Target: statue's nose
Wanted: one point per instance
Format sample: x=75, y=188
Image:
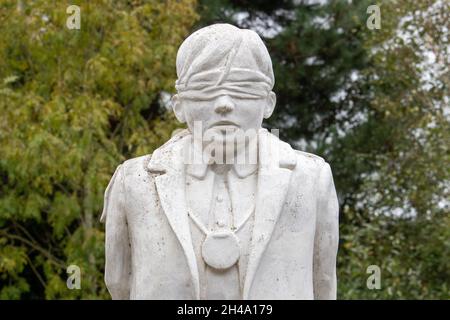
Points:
x=224, y=105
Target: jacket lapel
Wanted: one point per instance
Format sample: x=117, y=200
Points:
x=167, y=161
x=273, y=182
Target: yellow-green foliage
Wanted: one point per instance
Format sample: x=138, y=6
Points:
x=73, y=105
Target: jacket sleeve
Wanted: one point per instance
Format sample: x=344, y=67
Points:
x=326, y=236
x=117, y=243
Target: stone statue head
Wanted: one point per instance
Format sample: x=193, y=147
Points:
x=225, y=79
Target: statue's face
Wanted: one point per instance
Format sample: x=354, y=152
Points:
x=225, y=114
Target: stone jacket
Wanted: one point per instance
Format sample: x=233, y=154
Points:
x=149, y=250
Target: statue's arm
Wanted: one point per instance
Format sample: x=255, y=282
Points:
x=117, y=244
x=326, y=236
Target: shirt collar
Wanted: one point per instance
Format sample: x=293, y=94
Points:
x=199, y=170
x=241, y=170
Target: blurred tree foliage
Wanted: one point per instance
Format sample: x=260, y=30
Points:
x=394, y=165
x=375, y=104
x=74, y=104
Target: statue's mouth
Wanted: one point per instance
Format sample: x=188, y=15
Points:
x=225, y=124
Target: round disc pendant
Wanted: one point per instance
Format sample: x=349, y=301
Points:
x=221, y=249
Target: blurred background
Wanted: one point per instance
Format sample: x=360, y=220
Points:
x=374, y=102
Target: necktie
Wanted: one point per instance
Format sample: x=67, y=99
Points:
x=221, y=284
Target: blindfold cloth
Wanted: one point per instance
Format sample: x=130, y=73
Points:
x=222, y=59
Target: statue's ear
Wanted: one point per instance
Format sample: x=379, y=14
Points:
x=270, y=104
x=178, y=109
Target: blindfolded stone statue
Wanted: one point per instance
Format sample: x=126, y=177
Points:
x=224, y=209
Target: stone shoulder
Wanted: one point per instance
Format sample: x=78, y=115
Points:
x=309, y=157
x=136, y=166
x=311, y=161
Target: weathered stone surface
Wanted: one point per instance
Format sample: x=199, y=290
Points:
x=224, y=210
